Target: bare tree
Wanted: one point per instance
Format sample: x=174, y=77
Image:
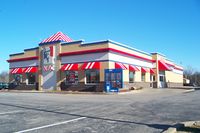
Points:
x=193, y=75
x=4, y=76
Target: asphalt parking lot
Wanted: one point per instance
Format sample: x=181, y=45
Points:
x=148, y=110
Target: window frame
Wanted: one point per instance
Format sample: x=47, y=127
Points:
x=98, y=75
x=27, y=82
x=133, y=76
x=143, y=75
x=21, y=78
x=76, y=76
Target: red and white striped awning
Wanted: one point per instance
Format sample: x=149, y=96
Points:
x=91, y=65
x=16, y=71
x=163, y=66
x=67, y=67
x=30, y=70
x=133, y=68
x=120, y=66
x=59, y=36
x=152, y=71
x=144, y=70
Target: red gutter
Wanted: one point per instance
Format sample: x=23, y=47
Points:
x=104, y=50
x=23, y=59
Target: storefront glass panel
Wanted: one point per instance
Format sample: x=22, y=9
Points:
x=71, y=77
x=113, y=78
x=92, y=76
x=31, y=78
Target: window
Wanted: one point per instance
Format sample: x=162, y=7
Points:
x=92, y=76
x=131, y=76
x=18, y=78
x=30, y=78
x=154, y=78
x=143, y=77
x=71, y=77
x=162, y=78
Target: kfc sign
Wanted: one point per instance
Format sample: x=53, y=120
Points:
x=48, y=55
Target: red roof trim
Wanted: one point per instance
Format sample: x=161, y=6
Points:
x=181, y=69
x=104, y=50
x=23, y=59
x=177, y=68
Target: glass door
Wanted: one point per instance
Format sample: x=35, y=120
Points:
x=113, y=79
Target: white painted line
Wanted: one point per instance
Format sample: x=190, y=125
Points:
x=51, y=125
x=11, y=112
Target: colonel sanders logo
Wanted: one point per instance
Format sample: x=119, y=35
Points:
x=48, y=55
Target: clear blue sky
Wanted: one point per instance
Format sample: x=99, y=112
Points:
x=171, y=27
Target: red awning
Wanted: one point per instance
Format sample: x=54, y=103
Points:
x=120, y=66
x=144, y=70
x=30, y=70
x=163, y=66
x=16, y=71
x=67, y=67
x=152, y=71
x=91, y=65
x=133, y=68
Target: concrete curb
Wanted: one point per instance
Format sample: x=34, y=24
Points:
x=52, y=92
x=170, y=130
x=190, y=90
x=71, y=92
x=173, y=129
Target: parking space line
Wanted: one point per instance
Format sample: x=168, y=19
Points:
x=51, y=125
x=11, y=112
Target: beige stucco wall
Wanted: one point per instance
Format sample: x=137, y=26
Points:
x=138, y=76
x=147, y=77
x=79, y=47
x=173, y=77
x=26, y=54
x=125, y=75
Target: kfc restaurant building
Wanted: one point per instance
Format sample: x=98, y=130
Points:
x=59, y=63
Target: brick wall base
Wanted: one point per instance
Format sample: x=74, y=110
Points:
x=23, y=86
x=174, y=85
x=81, y=86
x=137, y=85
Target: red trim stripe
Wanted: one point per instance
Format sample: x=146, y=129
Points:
x=51, y=51
x=23, y=59
x=104, y=50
